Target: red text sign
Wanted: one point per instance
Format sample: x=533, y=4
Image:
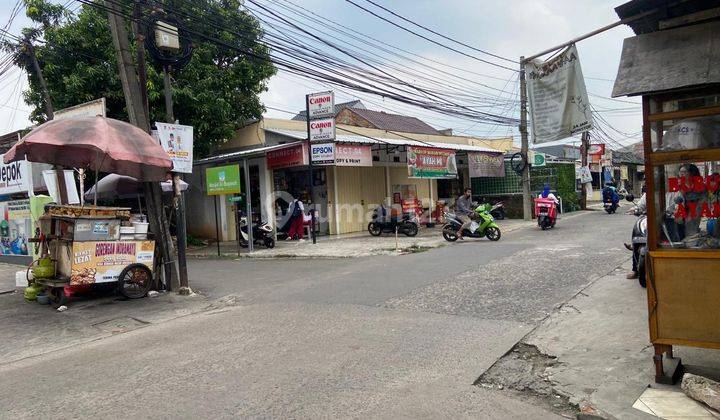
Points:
x=287, y=157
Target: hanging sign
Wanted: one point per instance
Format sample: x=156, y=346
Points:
x=584, y=175
x=222, y=180
x=177, y=140
x=484, y=164
x=596, y=149
x=323, y=153
x=287, y=157
x=350, y=155
x=538, y=159
x=321, y=104
x=427, y=162
x=559, y=105
x=322, y=130
x=13, y=177
x=624, y=175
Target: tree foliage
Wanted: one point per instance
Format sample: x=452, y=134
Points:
x=216, y=92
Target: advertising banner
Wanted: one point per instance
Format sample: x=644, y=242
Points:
x=102, y=262
x=177, y=140
x=321, y=104
x=596, y=149
x=431, y=163
x=559, y=105
x=15, y=227
x=583, y=174
x=486, y=164
x=287, y=157
x=323, y=153
x=13, y=177
x=348, y=155
x=322, y=130
x=222, y=180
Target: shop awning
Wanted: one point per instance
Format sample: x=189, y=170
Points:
x=248, y=153
x=361, y=139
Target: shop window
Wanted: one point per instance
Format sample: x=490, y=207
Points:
x=686, y=134
x=687, y=200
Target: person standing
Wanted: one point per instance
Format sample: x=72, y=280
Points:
x=297, y=220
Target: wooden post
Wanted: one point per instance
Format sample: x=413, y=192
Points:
x=527, y=212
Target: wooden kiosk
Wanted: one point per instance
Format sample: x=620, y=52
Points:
x=674, y=63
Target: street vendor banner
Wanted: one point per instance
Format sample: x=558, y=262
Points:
x=177, y=140
x=431, y=163
x=484, y=164
x=287, y=157
x=102, y=262
x=559, y=105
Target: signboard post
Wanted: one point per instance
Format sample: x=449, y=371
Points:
x=320, y=112
x=218, y=181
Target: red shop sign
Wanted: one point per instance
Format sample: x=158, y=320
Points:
x=287, y=157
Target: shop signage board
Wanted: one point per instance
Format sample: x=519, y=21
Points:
x=323, y=153
x=431, y=163
x=596, y=149
x=102, y=262
x=222, y=180
x=484, y=164
x=352, y=155
x=287, y=157
x=15, y=227
x=559, y=105
x=177, y=140
x=321, y=104
x=14, y=177
x=624, y=175
x=583, y=174
x=538, y=159
x=322, y=130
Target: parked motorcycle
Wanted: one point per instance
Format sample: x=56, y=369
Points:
x=483, y=226
x=262, y=234
x=384, y=223
x=546, y=213
x=639, y=243
x=498, y=211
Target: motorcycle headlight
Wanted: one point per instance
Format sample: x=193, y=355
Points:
x=643, y=226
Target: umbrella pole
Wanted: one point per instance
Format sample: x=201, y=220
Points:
x=96, y=189
x=81, y=175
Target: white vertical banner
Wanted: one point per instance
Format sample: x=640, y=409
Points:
x=177, y=140
x=559, y=105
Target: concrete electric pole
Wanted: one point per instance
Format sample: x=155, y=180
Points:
x=527, y=211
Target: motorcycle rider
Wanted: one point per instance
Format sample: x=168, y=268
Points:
x=464, y=210
x=547, y=194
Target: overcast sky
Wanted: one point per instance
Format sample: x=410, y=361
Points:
x=509, y=28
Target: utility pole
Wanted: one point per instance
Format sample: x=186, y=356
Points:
x=527, y=212
x=179, y=199
x=139, y=118
x=583, y=163
x=43, y=86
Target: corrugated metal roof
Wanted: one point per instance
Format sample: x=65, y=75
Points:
x=258, y=151
x=671, y=59
x=357, y=138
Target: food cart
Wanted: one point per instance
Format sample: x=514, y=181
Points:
x=84, y=247
x=673, y=64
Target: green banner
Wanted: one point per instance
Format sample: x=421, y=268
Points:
x=222, y=180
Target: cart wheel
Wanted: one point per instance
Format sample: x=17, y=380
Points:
x=135, y=281
x=58, y=296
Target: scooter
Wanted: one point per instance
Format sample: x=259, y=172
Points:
x=383, y=223
x=546, y=212
x=610, y=200
x=262, y=234
x=483, y=226
x=639, y=243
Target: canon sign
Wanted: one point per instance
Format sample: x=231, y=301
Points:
x=320, y=105
x=322, y=130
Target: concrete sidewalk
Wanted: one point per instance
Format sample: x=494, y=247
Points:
x=7, y=277
x=352, y=245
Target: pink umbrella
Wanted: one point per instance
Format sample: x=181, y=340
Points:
x=96, y=143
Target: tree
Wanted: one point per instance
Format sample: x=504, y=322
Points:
x=216, y=92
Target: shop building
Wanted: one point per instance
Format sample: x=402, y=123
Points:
x=370, y=168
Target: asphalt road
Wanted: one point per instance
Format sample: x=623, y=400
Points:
x=379, y=337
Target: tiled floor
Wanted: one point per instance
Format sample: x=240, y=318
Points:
x=672, y=404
